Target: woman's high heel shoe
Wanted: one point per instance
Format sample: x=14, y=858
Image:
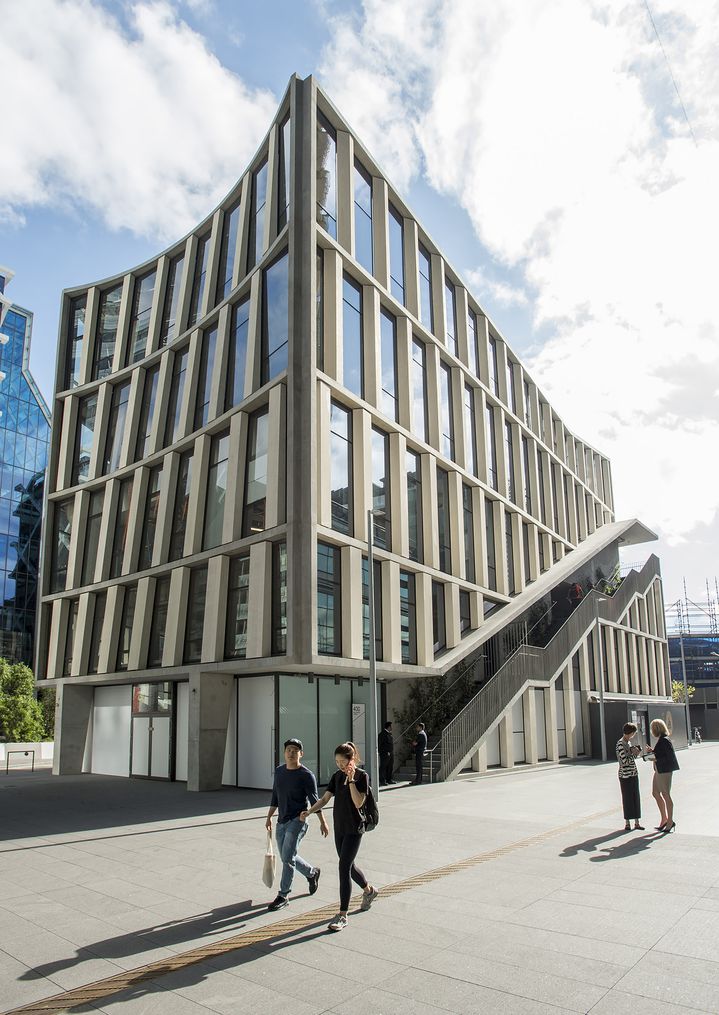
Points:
x=669, y=828
x=659, y=828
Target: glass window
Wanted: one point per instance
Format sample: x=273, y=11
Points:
x=493, y=370
x=439, y=628
x=526, y=477
x=172, y=298
x=542, y=562
x=92, y=536
x=445, y=410
x=238, y=594
x=326, y=176
x=284, y=176
x=128, y=616
x=98, y=619
x=408, y=617
x=511, y=392
x=149, y=525
x=195, y=615
x=509, y=540
x=419, y=390
x=253, y=515
x=107, y=319
x=177, y=389
x=147, y=414
x=319, y=308
x=122, y=519
x=491, y=549
x=352, y=338
x=414, y=505
x=216, y=490
x=70, y=637
x=329, y=600
x=527, y=554
x=182, y=503
x=527, y=405
x=228, y=246
x=396, y=254
x=275, y=319
x=204, y=381
x=465, y=612
x=257, y=216
x=341, y=468
x=443, y=531
x=116, y=427
x=363, y=216
x=61, y=544
x=509, y=461
x=85, y=434
x=377, y=583
x=470, y=432
x=238, y=354
x=140, y=320
x=472, y=346
x=468, y=514
x=450, y=317
x=388, y=345
x=158, y=626
x=426, y=315
x=76, y=332
x=198, y=278
x=380, y=488
x=279, y=599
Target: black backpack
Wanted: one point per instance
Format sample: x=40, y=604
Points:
x=370, y=811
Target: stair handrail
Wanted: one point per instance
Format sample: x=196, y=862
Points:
x=628, y=588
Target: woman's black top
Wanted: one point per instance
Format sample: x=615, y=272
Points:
x=346, y=818
x=664, y=756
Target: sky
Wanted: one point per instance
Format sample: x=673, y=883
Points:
x=563, y=154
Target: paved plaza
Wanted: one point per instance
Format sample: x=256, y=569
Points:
x=558, y=911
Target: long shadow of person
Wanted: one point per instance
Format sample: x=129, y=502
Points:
x=590, y=845
x=626, y=849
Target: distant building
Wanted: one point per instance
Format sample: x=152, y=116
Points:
x=698, y=644
x=226, y=415
x=24, y=441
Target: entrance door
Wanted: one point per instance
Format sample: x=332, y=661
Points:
x=151, y=733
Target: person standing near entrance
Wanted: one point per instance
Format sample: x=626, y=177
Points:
x=665, y=764
x=629, y=777
x=420, y=746
x=385, y=746
x=294, y=790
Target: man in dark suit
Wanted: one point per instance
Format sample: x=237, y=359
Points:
x=385, y=746
x=420, y=746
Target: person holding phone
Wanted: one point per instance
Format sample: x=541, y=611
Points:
x=629, y=777
x=665, y=764
x=348, y=786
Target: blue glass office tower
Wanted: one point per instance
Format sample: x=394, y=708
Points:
x=24, y=439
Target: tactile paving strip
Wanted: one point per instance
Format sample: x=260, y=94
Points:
x=91, y=993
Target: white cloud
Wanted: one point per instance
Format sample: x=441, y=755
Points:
x=493, y=290
x=144, y=127
x=556, y=125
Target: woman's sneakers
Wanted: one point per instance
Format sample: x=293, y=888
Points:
x=367, y=899
x=339, y=923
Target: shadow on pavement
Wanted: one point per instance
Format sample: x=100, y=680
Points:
x=631, y=848
x=590, y=845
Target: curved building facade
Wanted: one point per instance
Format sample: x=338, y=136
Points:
x=227, y=414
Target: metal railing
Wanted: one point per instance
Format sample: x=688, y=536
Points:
x=532, y=663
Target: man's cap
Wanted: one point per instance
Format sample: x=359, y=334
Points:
x=294, y=742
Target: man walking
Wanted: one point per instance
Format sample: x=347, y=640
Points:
x=420, y=746
x=294, y=790
x=385, y=746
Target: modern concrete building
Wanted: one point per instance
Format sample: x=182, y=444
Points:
x=225, y=416
x=24, y=440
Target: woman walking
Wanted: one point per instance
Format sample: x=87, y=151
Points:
x=629, y=777
x=665, y=763
x=348, y=786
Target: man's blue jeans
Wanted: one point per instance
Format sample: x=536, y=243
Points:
x=289, y=835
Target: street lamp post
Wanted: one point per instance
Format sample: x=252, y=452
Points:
x=686, y=692
x=602, y=727
x=372, y=751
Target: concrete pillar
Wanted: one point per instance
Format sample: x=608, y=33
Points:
x=352, y=628
x=73, y=707
x=259, y=602
x=423, y=595
x=391, y=627
x=531, y=747
x=550, y=722
x=478, y=760
x=570, y=713
x=213, y=633
x=506, y=741
x=209, y=711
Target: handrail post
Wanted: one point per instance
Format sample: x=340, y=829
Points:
x=602, y=727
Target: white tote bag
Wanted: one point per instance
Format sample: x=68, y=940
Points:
x=270, y=863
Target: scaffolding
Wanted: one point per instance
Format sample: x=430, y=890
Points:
x=685, y=616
